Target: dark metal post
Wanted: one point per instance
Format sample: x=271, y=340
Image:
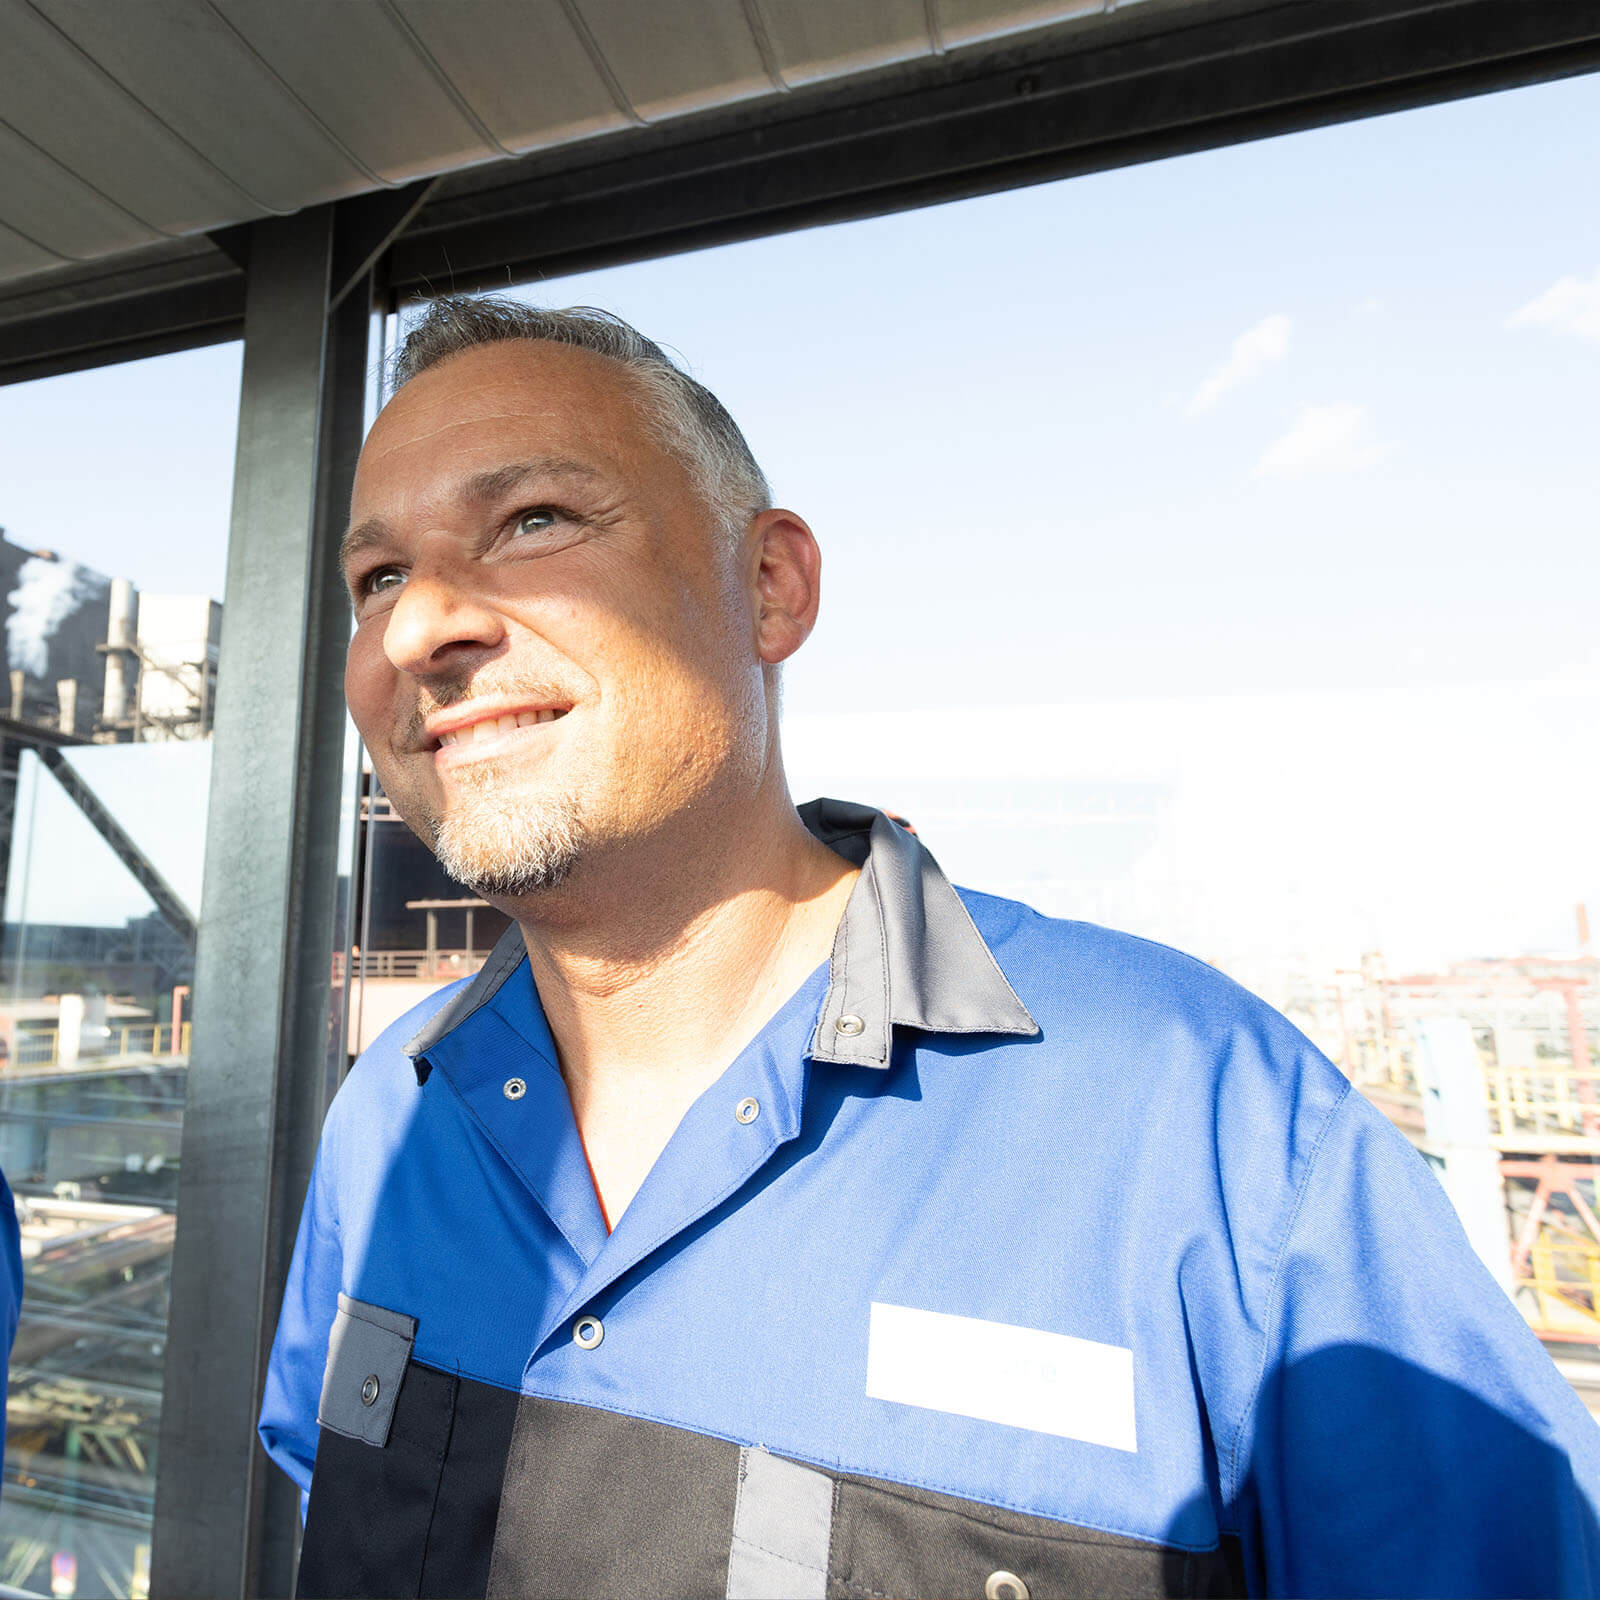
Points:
x=226, y=1521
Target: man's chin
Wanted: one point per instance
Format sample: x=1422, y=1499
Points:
x=509, y=880
x=502, y=848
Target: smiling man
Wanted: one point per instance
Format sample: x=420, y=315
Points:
x=769, y=1218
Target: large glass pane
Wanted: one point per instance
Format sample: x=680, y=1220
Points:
x=111, y=567
x=1208, y=552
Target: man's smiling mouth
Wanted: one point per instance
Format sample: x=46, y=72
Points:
x=496, y=727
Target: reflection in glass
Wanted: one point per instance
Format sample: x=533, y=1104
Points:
x=106, y=760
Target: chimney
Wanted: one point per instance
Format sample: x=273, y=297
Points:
x=119, y=646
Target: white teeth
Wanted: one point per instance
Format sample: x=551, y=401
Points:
x=494, y=727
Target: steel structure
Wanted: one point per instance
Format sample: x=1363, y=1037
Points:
x=1146, y=81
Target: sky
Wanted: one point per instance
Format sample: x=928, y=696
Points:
x=1262, y=481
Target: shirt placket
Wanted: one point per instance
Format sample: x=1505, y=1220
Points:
x=727, y=1137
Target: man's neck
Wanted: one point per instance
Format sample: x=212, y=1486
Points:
x=653, y=988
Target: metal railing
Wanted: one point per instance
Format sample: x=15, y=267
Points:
x=41, y=1047
x=1546, y=1098
x=414, y=965
x=1564, y=1275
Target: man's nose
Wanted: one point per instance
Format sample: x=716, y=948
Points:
x=439, y=621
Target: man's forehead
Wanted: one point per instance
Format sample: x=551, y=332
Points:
x=496, y=405
x=502, y=388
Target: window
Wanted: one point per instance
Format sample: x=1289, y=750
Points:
x=112, y=564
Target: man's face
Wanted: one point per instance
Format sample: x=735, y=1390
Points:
x=555, y=640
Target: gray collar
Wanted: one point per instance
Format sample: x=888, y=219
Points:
x=907, y=954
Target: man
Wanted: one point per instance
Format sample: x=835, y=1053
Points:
x=769, y=1218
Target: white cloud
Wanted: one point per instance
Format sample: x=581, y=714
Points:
x=1335, y=438
x=1570, y=305
x=1253, y=352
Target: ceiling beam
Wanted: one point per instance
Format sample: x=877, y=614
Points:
x=1118, y=96
x=1140, y=84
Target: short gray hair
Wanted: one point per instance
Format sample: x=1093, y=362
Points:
x=688, y=420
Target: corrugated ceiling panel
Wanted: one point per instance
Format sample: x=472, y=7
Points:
x=183, y=62
x=356, y=67
x=41, y=199
x=137, y=118
x=19, y=256
x=670, y=59
x=520, y=65
x=971, y=21
x=814, y=39
x=121, y=149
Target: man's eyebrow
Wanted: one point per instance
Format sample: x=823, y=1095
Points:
x=486, y=486
x=362, y=536
x=481, y=489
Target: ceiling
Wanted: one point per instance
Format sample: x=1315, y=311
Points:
x=469, y=143
x=135, y=123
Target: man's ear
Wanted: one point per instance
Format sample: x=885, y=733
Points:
x=786, y=578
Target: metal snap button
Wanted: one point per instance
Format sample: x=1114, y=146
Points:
x=1005, y=1585
x=747, y=1109
x=515, y=1089
x=369, y=1390
x=851, y=1025
x=587, y=1332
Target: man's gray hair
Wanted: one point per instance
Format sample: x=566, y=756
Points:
x=688, y=420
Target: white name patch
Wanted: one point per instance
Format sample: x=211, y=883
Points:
x=1024, y=1377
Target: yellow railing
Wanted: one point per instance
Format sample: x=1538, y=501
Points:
x=1565, y=1278
x=41, y=1047
x=1546, y=1098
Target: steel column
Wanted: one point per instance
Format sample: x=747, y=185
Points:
x=226, y=1521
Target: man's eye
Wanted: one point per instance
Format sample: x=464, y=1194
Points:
x=540, y=520
x=382, y=578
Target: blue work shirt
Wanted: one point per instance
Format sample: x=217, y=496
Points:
x=10, y=1288
x=1013, y=1257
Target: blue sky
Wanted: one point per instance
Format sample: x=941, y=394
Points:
x=1258, y=433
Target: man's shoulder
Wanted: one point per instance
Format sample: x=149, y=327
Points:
x=1122, y=1003
x=1086, y=963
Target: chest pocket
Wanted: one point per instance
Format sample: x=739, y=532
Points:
x=802, y=1535
x=409, y=1466
x=367, y=1354
x=889, y=1539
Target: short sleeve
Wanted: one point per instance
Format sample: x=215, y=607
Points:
x=1409, y=1435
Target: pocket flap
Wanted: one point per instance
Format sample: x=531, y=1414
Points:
x=368, y=1349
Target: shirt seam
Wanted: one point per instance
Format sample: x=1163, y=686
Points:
x=838, y=1465
x=355, y=1316
x=777, y=1555
x=1274, y=1294
x=883, y=972
x=733, y=1187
